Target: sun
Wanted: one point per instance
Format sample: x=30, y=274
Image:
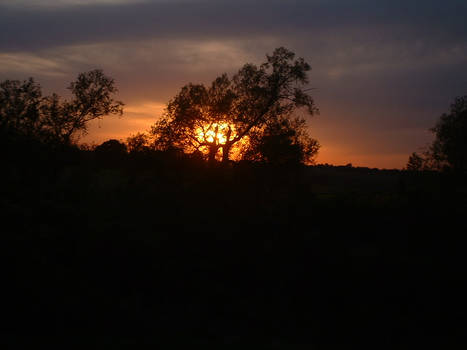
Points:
x=216, y=133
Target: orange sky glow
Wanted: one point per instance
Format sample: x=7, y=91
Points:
x=139, y=118
x=382, y=72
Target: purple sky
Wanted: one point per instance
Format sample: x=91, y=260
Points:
x=383, y=71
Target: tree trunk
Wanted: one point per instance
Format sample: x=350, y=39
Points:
x=226, y=147
x=212, y=153
x=225, y=152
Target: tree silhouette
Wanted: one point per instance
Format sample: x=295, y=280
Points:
x=230, y=111
x=20, y=107
x=111, y=151
x=450, y=145
x=111, y=146
x=196, y=117
x=449, y=149
x=24, y=111
x=416, y=162
x=138, y=143
x=284, y=141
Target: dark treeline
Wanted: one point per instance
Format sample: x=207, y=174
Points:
x=155, y=242
x=109, y=247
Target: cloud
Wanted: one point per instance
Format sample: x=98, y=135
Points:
x=143, y=68
x=29, y=64
x=198, y=19
x=44, y=4
x=383, y=70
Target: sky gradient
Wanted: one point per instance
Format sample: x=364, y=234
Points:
x=382, y=71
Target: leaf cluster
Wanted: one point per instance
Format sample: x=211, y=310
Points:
x=257, y=100
x=25, y=111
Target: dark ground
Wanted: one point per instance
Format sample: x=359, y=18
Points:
x=148, y=249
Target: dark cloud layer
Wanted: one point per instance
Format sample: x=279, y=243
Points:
x=33, y=28
x=383, y=70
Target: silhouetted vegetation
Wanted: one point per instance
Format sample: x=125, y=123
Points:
x=282, y=142
x=449, y=149
x=128, y=244
x=24, y=112
x=255, y=105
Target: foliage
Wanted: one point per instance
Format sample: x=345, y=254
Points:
x=224, y=116
x=415, y=162
x=193, y=119
x=138, y=143
x=20, y=107
x=449, y=149
x=450, y=145
x=24, y=111
x=284, y=141
x=111, y=146
x=111, y=152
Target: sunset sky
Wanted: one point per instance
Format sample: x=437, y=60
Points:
x=382, y=71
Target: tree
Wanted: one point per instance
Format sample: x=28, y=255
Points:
x=225, y=115
x=20, y=106
x=24, y=111
x=415, y=163
x=138, y=143
x=282, y=142
x=450, y=145
x=111, y=150
x=449, y=149
x=197, y=118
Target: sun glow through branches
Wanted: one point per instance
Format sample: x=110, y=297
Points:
x=219, y=135
x=216, y=133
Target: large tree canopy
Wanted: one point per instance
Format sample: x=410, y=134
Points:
x=255, y=102
x=281, y=142
x=198, y=118
x=24, y=111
